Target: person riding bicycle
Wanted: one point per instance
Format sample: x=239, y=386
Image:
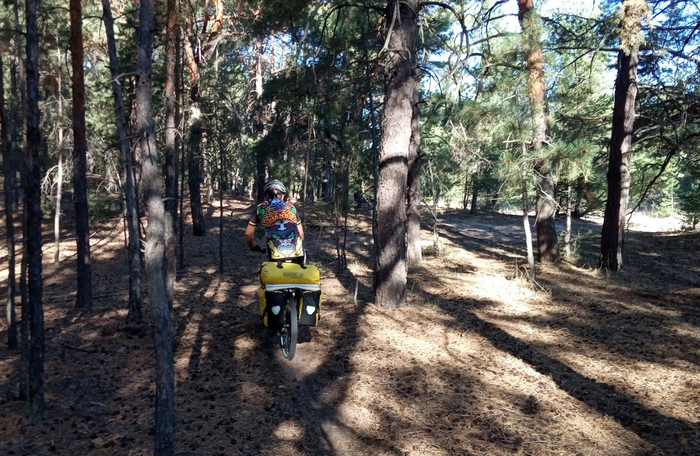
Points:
x=283, y=229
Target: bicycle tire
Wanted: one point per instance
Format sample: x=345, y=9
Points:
x=288, y=339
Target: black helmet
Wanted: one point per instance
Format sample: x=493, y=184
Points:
x=274, y=187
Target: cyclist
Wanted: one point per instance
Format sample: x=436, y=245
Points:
x=283, y=229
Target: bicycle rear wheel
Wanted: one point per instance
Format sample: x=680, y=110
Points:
x=288, y=335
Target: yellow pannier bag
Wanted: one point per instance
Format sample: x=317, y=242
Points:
x=291, y=273
x=271, y=305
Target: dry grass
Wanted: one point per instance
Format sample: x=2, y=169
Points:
x=478, y=363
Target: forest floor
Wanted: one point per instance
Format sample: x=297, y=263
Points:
x=477, y=363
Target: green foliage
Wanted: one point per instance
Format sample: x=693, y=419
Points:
x=102, y=206
x=582, y=246
x=689, y=195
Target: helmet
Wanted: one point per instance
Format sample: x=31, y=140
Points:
x=274, y=187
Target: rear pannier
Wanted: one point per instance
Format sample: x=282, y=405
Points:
x=309, y=308
x=271, y=305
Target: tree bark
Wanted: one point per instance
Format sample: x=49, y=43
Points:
x=619, y=176
x=132, y=217
x=195, y=59
x=155, y=238
x=567, y=238
x=259, y=128
x=33, y=208
x=526, y=224
x=390, y=270
x=59, y=172
x=414, y=255
x=547, y=242
x=475, y=189
x=82, y=229
x=8, y=171
x=19, y=83
x=171, y=148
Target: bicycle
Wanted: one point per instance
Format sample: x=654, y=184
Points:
x=289, y=296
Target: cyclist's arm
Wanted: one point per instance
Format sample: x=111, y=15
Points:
x=250, y=229
x=300, y=227
x=250, y=235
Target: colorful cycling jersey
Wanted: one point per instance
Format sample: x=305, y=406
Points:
x=281, y=222
x=269, y=212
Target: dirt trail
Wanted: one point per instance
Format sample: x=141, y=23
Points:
x=478, y=363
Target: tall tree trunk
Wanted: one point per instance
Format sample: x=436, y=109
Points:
x=373, y=131
x=196, y=56
x=82, y=229
x=547, y=242
x=33, y=208
x=260, y=127
x=181, y=147
x=132, y=217
x=567, y=237
x=155, y=238
x=221, y=207
x=619, y=176
x=19, y=83
x=59, y=173
x=414, y=255
x=171, y=148
x=8, y=170
x=390, y=270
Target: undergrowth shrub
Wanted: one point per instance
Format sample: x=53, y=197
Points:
x=102, y=206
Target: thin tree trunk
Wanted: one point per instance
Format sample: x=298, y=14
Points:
x=526, y=221
x=414, y=255
x=181, y=231
x=436, y=201
x=466, y=190
x=260, y=129
x=22, y=76
x=155, y=238
x=59, y=173
x=33, y=208
x=82, y=229
x=171, y=148
x=221, y=209
x=567, y=238
x=181, y=148
x=390, y=272
x=21, y=80
x=342, y=207
x=475, y=189
x=373, y=135
x=25, y=361
x=9, y=218
x=132, y=217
